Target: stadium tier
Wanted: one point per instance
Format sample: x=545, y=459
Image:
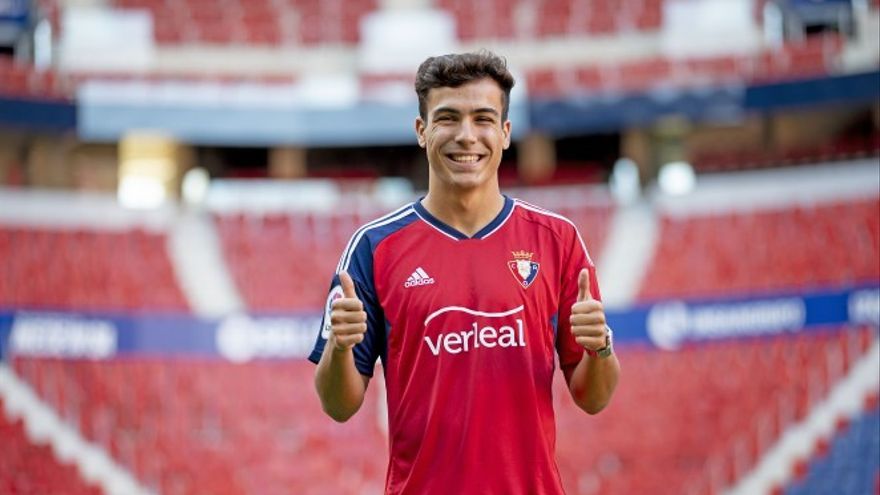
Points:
x=29, y=469
x=742, y=253
x=845, y=148
x=23, y=80
x=87, y=270
x=283, y=262
x=251, y=22
x=815, y=57
x=682, y=423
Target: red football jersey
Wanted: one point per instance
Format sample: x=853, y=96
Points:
x=468, y=331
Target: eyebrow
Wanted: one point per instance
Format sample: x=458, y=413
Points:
x=451, y=110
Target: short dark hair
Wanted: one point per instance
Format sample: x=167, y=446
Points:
x=456, y=69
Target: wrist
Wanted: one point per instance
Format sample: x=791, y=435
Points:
x=608, y=349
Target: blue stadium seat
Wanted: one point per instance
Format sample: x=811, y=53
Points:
x=852, y=464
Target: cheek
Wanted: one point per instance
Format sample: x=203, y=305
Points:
x=435, y=138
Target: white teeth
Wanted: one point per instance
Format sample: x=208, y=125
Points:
x=466, y=158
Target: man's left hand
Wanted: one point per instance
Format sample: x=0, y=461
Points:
x=588, y=317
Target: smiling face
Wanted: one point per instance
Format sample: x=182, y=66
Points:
x=464, y=136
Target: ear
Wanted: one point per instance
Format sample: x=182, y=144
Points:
x=420, y=131
x=505, y=130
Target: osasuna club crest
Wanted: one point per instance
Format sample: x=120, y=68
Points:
x=524, y=270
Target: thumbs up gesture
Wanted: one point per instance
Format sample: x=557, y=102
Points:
x=587, y=317
x=348, y=319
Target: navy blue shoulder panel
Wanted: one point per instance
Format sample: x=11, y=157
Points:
x=357, y=260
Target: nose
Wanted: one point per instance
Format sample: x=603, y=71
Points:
x=466, y=132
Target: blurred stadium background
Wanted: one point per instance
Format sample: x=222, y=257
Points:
x=179, y=178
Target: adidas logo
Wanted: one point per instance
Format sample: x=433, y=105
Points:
x=418, y=277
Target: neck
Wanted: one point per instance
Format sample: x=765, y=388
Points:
x=465, y=212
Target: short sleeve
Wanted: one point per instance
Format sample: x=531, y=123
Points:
x=575, y=259
x=360, y=268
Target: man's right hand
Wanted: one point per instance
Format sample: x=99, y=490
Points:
x=348, y=319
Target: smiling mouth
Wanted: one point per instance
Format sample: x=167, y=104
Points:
x=464, y=158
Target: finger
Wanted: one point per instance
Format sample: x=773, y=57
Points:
x=588, y=319
x=590, y=342
x=584, y=286
x=344, y=316
x=347, y=284
x=595, y=330
x=588, y=306
x=344, y=329
x=346, y=305
x=348, y=341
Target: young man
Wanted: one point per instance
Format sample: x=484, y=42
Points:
x=468, y=297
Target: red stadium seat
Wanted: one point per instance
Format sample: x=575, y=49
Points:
x=30, y=469
x=786, y=249
x=101, y=270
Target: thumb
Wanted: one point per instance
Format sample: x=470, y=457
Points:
x=347, y=285
x=584, y=293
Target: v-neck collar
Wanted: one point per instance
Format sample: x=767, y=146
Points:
x=486, y=231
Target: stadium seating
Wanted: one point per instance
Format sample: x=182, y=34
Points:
x=258, y=428
x=690, y=422
x=230, y=429
x=283, y=262
x=848, y=147
x=499, y=20
x=254, y=22
x=814, y=57
x=22, y=80
x=29, y=469
x=850, y=463
x=99, y=270
x=481, y=19
x=751, y=252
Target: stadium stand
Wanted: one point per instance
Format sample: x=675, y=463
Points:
x=100, y=270
x=813, y=57
x=750, y=252
x=840, y=466
x=482, y=19
x=692, y=421
x=841, y=149
x=703, y=414
x=230, y=429
x=264, y=22
x=498, y=20
x=265, y=256
x=22, y=80
x=258, y=428
x=29, y=469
